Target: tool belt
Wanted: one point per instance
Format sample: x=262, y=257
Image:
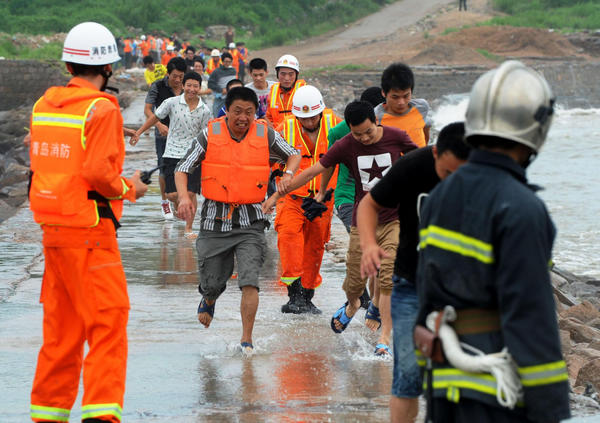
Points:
x=469, y=321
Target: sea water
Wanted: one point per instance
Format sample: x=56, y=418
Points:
x=565, y=169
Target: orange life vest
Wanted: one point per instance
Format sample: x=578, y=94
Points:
x=236, y=172
x=278, y=110
x=59, y=194
x=152, y=42
x=235, y=55
x=128, y=47
x=412, y=123
x=211, y=66
x=292, y=132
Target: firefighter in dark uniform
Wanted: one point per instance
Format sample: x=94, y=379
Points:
x=485, y=247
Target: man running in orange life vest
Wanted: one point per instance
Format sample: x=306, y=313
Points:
x=400, y=109
x=279, y=102
x=301, y=242
x=235, y=152
x=76, y=195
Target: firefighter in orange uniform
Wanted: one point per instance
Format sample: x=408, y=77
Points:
x=306, y=130
x=76, y=195
x=279, y=102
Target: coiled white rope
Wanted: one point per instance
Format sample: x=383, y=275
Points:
x=501, y=364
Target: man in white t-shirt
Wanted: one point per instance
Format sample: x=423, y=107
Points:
x=188, y=116
x=260, y=84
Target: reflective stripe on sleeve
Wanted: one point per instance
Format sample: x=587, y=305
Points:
x=456, y=242
x=125, y=190
x=544, y=374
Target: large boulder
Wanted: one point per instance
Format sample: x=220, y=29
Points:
x=585, y=312
x=589, y=373
x=578, y=330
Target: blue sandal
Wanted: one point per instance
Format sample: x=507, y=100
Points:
x=341, y=316
x=373, y=314
x=247, y=348
x=203, y=307
x=385, y=350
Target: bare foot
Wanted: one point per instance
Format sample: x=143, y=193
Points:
x=374, y=325
x=205, y=310
x=205, y=319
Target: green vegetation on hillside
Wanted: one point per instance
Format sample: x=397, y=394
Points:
x=270, y=22
x=557, y=14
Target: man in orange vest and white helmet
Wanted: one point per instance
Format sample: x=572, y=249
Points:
x=301, y=242
x=76, y=195
x=279, y=102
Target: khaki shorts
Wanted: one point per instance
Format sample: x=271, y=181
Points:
x=388, y=236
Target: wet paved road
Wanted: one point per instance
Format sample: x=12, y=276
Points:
x=179, y=371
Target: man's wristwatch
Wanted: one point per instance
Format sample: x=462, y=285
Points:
x=289, y=172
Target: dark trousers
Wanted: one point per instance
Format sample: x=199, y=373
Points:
x=470, y=411
x=462, y=4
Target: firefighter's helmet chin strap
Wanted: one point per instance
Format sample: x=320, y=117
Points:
x=107, y=76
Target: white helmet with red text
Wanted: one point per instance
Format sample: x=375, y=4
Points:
x=90, y=43
x=288, y=61
x=307, y=102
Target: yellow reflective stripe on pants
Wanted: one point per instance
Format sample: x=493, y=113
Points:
x=456, y=242
x=289, y=279
x=95, y=410
x=544, y=374
x=49, y=413
x=454, y=379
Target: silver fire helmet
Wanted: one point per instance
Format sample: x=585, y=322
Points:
x=513, y=102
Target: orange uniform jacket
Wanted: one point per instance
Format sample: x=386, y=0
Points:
x=236, y=172
x=279, y=103
x=166, y=57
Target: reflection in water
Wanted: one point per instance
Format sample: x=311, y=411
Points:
x=178, y=262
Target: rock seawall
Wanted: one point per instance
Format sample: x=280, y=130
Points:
x=575, y=84
x=24, y=81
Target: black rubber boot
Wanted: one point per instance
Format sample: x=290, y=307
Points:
x=296, y=300
x=309, y=307
x=364, y=299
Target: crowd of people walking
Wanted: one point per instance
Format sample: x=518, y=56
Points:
x=446, y=238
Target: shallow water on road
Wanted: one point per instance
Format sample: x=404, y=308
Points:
x=178, y=371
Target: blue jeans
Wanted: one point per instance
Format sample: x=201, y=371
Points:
x=407, y=382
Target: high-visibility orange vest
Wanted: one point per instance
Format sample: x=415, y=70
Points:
x=235, y=54
x=128, y=47
x=412, y=123
x=59, y=193
x=278, y=110
x=163, y=46
x=236, y=172
x=152, y=42
x=292, y=132
x=211, y=65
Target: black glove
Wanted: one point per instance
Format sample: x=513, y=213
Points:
x=313, y=209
